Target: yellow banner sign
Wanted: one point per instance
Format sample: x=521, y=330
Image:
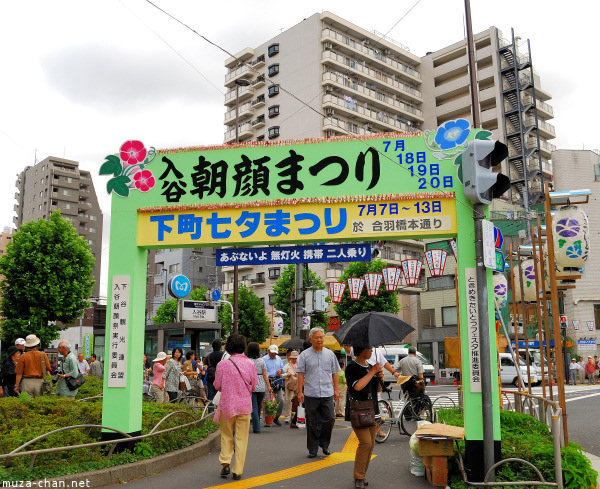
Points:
x=317, y=220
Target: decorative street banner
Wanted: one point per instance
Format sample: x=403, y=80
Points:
x=117, y=344
x=474, y=351
x=591, y=325
x=294, y=254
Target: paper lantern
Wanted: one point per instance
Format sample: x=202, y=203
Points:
x=500, y=289
x=436, y=261
x=336, y=291
x=563, y=275
x=570, y=229
x=529, y=289
x=373, y=281
x=391, y=278
x=454, y=249
x=355, y=287
x=411, y=270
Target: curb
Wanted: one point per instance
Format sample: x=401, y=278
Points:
x=136, y=470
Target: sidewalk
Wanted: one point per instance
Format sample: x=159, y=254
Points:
x=595, y=462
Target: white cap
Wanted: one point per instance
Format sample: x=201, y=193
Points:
x=19, y=341
x=274, y=349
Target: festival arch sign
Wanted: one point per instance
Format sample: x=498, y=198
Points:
x=379, y=187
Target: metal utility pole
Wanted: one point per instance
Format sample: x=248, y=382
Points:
x=299, y=295
x=238, y=83
x=482, y=295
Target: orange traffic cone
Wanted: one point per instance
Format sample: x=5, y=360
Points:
x=433, y=382
x=455, y=381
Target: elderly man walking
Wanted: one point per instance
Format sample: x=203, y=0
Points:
x=69, y=369
x=318, y=389
x=32, y=367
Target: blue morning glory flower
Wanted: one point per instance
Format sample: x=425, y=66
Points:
x=452, y=133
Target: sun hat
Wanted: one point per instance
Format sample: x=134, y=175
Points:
x=161, y=356
x=11, y=351
x=20, y=342
x=274, y=349
x=31, y=341
x=294, y=354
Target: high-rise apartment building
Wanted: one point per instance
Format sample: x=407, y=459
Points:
x=59, y=184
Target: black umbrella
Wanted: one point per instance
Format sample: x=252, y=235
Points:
x=373, y=329
x=293, y=344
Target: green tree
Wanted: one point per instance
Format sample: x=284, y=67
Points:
x=47, y=269
x=284, y=290
x=384, y=302
x=167, y=311
x=253, y=323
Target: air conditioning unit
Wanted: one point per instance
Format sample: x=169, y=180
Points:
x=329, y=111
x=327, y=46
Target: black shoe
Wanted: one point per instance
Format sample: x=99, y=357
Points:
x=237, y=477
x=277, y=422
x=311, y=455
x=257, y=431
x=326, y=451
x=366, y=483
x=359, y=483
x=225, y=471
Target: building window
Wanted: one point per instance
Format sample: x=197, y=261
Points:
x=262, y=301
x=273, y=50
x=93, y=218
x=273, y=90
x=174, y=268
x=91, y=242
x=273, y=132
x=261, y=138
x=274, y=69
x=271, y=299
x=449, y=316
x=597, y=315
x=67, y=179
x=66, y=192
x=274, y=111
x=92, y=230
x=274, y=273
x=67, y=206
x=440, y=283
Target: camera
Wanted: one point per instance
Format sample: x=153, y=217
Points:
x=55, y=378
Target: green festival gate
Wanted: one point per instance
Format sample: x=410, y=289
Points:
x=379, y=187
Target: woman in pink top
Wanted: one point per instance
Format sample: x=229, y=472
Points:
x=158, y=383
x=235, y=378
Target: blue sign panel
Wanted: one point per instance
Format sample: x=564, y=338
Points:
x=533, y=344
x=283, y=255
x=179, y=286
x=216, y=295
x=498, y=238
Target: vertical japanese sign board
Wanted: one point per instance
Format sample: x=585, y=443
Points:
x=330, y=190
x=474, y=351
x=117, y=339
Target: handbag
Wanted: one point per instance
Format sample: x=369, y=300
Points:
x=362, y=413
x=217, y=398
x=46, y=386
x=184, y=383
x=291, y=384
x=301, y=416
x=74, y=383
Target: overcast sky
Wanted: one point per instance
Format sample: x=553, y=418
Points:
x=80, y=77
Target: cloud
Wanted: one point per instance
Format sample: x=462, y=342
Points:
x=121, y=80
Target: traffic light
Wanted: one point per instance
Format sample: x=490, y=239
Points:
x=376, y=247
x=563, y=321
x=480, y=182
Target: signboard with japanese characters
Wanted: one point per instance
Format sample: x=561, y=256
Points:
x=198, y=311
x=117, y=346
x=474, y=351
x=283, y=255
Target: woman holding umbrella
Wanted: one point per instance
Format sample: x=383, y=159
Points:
x=363, y=383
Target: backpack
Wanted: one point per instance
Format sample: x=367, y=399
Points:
x=212, y=369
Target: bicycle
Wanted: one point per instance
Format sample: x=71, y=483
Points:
x=411, y=410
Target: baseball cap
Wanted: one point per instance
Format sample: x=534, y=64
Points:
x=274, y=349
x=20, y=341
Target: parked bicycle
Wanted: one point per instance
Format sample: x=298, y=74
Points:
x=412, y=408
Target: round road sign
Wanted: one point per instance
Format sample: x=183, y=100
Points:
x=179, y=286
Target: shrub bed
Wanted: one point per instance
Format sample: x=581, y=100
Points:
x=26, y=418
x=525, y=437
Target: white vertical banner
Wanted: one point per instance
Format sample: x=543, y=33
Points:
x=474, y=349
x=489, y=244
x=119, y=317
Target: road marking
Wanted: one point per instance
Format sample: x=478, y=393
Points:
x=346, y=455
x=581, y=397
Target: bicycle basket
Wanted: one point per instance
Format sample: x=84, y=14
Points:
x=415, y=387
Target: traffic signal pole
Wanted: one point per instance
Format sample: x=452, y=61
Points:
x=481, y=274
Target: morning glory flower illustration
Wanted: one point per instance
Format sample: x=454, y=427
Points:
x=452, y=134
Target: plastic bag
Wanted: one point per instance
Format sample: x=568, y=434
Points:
x=301, y=416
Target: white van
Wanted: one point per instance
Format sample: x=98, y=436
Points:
x=394, y=353
x=508, y=371
x=535, y=359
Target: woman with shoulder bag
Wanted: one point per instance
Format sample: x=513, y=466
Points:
x=363, y=384
x=172, y=373
x=291, y=389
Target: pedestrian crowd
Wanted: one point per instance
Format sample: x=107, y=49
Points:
x=580, y=370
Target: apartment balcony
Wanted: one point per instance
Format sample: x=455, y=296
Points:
x=547, y=131
x=244, y=94
x=333, y=275
x=259, y=82
x=454, y=108
x=370, y=75
x=451, y=69
x=489, y=115
x=337, y=105
x=407, y=111
x=258, y=101
x=245, y=131
x=228, y=287
x=258, y=122
x=332, y=39
x=487, y=95
x=226, y=269
x=243, y=72
x=258, y=62
x=245, y=111
x=546, y=148
x=258, y=281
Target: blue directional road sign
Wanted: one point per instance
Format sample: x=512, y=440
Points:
x=179, y=286
x=216, y=295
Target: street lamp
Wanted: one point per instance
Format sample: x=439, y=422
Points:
x=238, y=83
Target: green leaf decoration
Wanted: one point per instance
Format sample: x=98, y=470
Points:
x=112, y=166
x=458, y=163
x=119, y=185
x=483, y=135
x=577, y=244
x=561, y=243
